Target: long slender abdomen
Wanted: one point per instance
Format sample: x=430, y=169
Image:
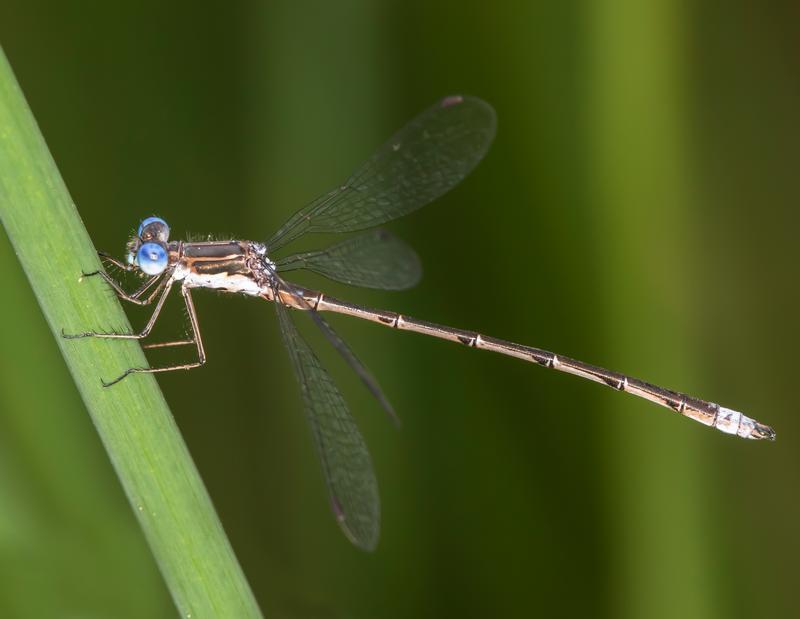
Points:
x=708, y=413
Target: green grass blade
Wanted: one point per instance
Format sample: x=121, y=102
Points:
x=132, y=418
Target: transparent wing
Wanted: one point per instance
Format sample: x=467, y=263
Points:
x=423, y=160
x=343, y=349
x=355, y=364
x=376, y=259
x=346, y=464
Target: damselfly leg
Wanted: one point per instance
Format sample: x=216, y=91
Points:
x=195, y=339
x=164, y=288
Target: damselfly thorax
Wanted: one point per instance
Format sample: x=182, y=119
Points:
x=228, y=266
x=433, y=153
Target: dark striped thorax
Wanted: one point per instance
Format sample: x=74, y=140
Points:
x=229, y=266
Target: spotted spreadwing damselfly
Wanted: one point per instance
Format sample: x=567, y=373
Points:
x=422, y=161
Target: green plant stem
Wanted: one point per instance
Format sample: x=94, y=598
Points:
x=132, y=418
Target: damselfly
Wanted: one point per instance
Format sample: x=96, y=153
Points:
x=422, y=161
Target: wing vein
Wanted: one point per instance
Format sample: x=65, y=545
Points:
x=346, y=464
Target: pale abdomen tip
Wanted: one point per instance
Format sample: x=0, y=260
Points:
x=730, y=421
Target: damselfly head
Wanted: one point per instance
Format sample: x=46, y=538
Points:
x=148, y=249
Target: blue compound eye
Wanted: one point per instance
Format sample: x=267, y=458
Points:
x=152, y=258
x=160, y=230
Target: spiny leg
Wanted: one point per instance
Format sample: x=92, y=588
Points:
x=130, y=336
x=196, y=339
x=168, y=344
x=117, y=263
x=136, y=297
x=132, y=297
x=192, y=340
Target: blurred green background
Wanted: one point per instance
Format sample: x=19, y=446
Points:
x=637, y=210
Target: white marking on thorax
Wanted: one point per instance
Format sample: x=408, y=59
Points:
x=261, y=251
x=219, y=281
